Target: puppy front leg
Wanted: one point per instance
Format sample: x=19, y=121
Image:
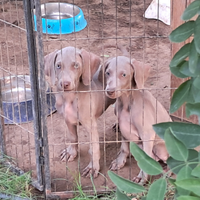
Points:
x=148, y=143
x=94, y=151
x=120, y=161
x=71, y=151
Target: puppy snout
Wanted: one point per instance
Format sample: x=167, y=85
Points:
x=65, y=84
x=110, y=92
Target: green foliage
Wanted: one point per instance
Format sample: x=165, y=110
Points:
x=157, y=190
x=187, y=198
x=146, y=163
x=176, y=165
x=183, y=32
x=180, y=56
x=175, y=147
x=125, y=185
x=180, y=96
x=189, y=91
x=191, y=10
x=191, y=184
x=180, y=138
x=193, y=109
x=120, y=195
x=182, y=131
x=196, y=171
x=14, y=185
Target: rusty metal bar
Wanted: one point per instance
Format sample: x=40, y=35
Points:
x=33, y=67
x=46, y=174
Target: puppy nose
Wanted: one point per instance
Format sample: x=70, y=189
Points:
x=110, y=92
x=65, y=84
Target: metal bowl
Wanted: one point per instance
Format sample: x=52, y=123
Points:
x=17, y=99
x=61, y=18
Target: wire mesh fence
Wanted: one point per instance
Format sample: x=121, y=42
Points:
x=109, y=23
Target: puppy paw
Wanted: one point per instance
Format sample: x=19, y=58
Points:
x=141, y=178
x=91, y=171
x=119, y=162
x=69, y=153
x=137, y=179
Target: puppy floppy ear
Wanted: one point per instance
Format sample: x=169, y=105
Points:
x=49, y=68
x=91, y=63
x=141, y=72
x=101, y=76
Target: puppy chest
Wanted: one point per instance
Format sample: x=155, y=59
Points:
x=127, y=127
x=71, y=114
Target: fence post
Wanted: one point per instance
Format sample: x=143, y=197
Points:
x=2, y=147
x=33, y=67
x=47, y=177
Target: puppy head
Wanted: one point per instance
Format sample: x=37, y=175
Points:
x=123, y=74
x=70, y=66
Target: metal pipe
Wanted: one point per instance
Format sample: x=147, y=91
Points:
x=33, y=67
x=2, y=145
x=47, y=177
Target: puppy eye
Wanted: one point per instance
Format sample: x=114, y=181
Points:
x=107, y=73
x=58, y=66
x=124, y=75
x=76, y=65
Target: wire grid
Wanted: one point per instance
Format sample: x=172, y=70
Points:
x=109, y=22
x=18, y=136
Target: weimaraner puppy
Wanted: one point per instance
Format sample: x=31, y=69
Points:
x=137, y=110
x=78, y=99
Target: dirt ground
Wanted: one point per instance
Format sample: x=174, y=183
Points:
x=148, y=42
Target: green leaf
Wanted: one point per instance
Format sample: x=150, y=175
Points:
x=191, y=10
x=194, y=91
x=196, y=82
x=172, y=181
x=176, y=166
x=184, y=69
x=175, y=147
x=120, y=195
x=188, y=134
x=177, y=70
x=125, y=185
x=191, y=184
x=180, y=96
x=193, y=109
x=143, y=198
x=193, y=58
x=157, y=190
x=184, y=173
x=196, y=171
x=180, y=55
x=182, y=191
x=183, y=32
x=196, y=34
x=199, y=156
x=187, y=198
x=145, y=162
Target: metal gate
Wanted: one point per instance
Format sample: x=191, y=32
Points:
x=13, y=113
x=43, y=138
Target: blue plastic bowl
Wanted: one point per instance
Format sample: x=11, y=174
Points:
x=17, y=100
x=61, y=18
